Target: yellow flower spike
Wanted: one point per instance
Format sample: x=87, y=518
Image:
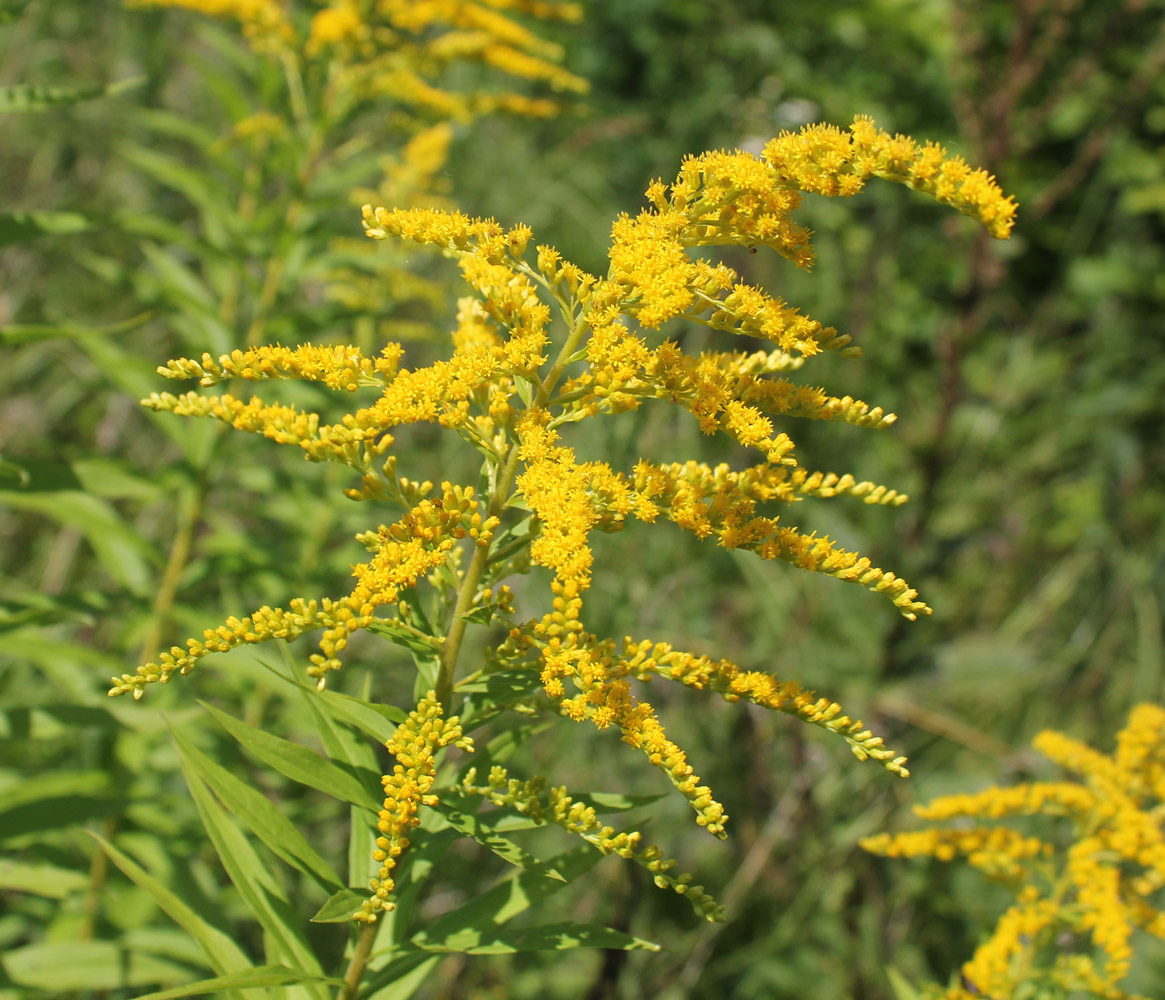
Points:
x=554, y=805
x=264, y=22
x=1093, y=893
x=414, y=745
x=822, y=159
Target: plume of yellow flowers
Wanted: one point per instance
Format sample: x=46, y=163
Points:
x=542, y=344
x=401, y=48
x=414, y=747
x=1102, y=884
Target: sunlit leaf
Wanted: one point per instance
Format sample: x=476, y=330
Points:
x=87, y=965
x=41, y=880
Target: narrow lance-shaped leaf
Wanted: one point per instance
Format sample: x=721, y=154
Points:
x=297, y=762
x=222, y=954
x=256, y=886
x=261, y=816
x=256, y=978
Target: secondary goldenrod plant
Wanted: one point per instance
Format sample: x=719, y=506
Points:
x=1083, y=894
x=539, y=346
x=335, y=97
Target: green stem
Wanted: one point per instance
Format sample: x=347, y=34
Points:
x=188, y=520
x=359, y=961
x=481, y=558
x=469, y=584
x=313, y=154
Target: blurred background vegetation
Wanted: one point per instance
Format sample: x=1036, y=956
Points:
x=1029, y=379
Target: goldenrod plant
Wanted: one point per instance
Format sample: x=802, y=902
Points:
x=539, y=346
x=1088, y=881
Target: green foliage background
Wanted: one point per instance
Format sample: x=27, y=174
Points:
x=1029, y=379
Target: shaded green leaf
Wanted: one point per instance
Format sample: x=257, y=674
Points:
x=297, y=762
x=222, y=954
x=261, y=975
x=20, y=227
x=482, y=615
x=402, y=636
x=124, y=553
x=261, y=816
x=399, y=977
x=478, y=828
x=256, y=887
x=57, y=800
x=476, y=921
x=378, y=721
x=605, y=802
x=38, y=97
x=562, y=936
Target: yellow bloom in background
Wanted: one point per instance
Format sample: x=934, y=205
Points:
x=264, y=22
x=1099, y=882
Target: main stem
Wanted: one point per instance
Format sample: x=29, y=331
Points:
x=501, y=494
x=358, y=961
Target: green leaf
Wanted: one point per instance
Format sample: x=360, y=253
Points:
x=20, y=227
x=476, y=922
x=57, y=800
x=378, y=721
x=36, y=97
x=478, y=828
x=13, y=474
x=258, y=890
x=222, y=954
x=500, y=688
x=605, y=802
x=261, y=975
x=41, y=880
x=482, y=615
x=120, y=549
x=87, y=965
x=402, y=636
x=898, y=983
x=43, y=609
x=527, y=388
x=400, y=976
x=179, y=174
x=297, y=763
x=340, y=907
x=261, y=816
x=561, y=936
x=129, y=372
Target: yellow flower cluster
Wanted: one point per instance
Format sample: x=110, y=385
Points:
x=264, y=22
x=401, y=48
x=1106, y=883
x=413, y=746
x=553, y=805
x=822, y=159
x=542, y=344
x=403, y=553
